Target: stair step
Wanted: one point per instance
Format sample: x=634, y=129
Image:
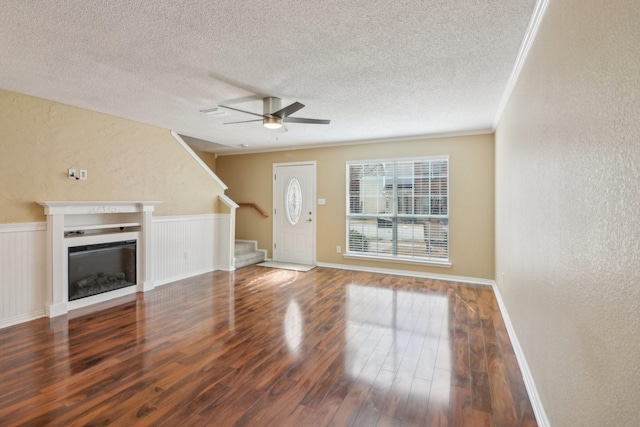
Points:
x=246, y=253
x=244, y=247
x=249, y=258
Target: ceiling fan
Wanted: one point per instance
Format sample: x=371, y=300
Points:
x=273, y=115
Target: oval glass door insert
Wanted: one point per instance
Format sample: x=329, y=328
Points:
x=293, y=201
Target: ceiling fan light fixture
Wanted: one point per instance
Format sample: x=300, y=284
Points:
x=272, y=122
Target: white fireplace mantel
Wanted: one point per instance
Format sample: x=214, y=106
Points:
x=71, y=223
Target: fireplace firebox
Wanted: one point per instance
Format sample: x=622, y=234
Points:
x=102, y=267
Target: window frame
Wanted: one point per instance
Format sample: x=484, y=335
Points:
x=395, y=215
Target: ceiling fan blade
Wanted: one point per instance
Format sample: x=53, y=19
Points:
x=244, y=121
x=288, y=110
x=242, y=111
x=307, y=121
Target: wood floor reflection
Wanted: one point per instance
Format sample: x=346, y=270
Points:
x=262, y=347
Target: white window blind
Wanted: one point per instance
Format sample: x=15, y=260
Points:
x=399, y=209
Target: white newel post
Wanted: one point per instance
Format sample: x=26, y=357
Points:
x=225, y=255
x=85, y=223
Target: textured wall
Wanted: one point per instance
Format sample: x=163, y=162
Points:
x=568, y=211
x=125, y=160
x=208, y=158
x=249, y=178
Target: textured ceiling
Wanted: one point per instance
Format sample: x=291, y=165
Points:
x=377, y=69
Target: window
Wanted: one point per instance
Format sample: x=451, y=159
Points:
x=399, y=209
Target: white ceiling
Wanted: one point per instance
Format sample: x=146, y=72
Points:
x=377, y=69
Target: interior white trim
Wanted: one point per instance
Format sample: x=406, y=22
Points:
x=538, y=13
x=532, y=391
x=22, y=318
x=225, y=232
x=23, y=227
x=416, y=138
x=431, y=263
x=225, y=253
x=177, y=218
x=172, y=279
x=198, y=159
x=227, y=201
x=409, y=273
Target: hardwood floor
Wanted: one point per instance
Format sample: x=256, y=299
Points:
x=267, y=347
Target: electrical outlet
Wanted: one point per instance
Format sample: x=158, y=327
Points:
x=338, y=249
x=71, y=174
x=83, y=174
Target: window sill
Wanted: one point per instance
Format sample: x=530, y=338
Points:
x=443, y=264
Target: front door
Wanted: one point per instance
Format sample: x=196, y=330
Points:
x=294, y=214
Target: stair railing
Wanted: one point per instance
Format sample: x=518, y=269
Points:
x=254, y=206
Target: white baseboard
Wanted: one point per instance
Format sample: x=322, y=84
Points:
x=146, y=286
x=22, y=318
x=532, y=391
x=55, y=310
x=182, y=276
x=409, y=273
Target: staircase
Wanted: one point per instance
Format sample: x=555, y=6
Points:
x=247, y=253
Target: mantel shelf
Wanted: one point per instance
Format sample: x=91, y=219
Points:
x=96, y=207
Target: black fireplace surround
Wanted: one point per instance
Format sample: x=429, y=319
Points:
x=102, y=267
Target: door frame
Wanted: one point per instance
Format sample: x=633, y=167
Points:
x=314, y=217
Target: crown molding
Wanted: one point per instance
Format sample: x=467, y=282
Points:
x=538, y=13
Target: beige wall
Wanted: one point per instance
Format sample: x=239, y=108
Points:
x=208, y=158
x=249, y=178
x=568, y=212
x=125, y=160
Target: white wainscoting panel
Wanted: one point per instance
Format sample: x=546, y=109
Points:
x=183, y=246
x=23, y=272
